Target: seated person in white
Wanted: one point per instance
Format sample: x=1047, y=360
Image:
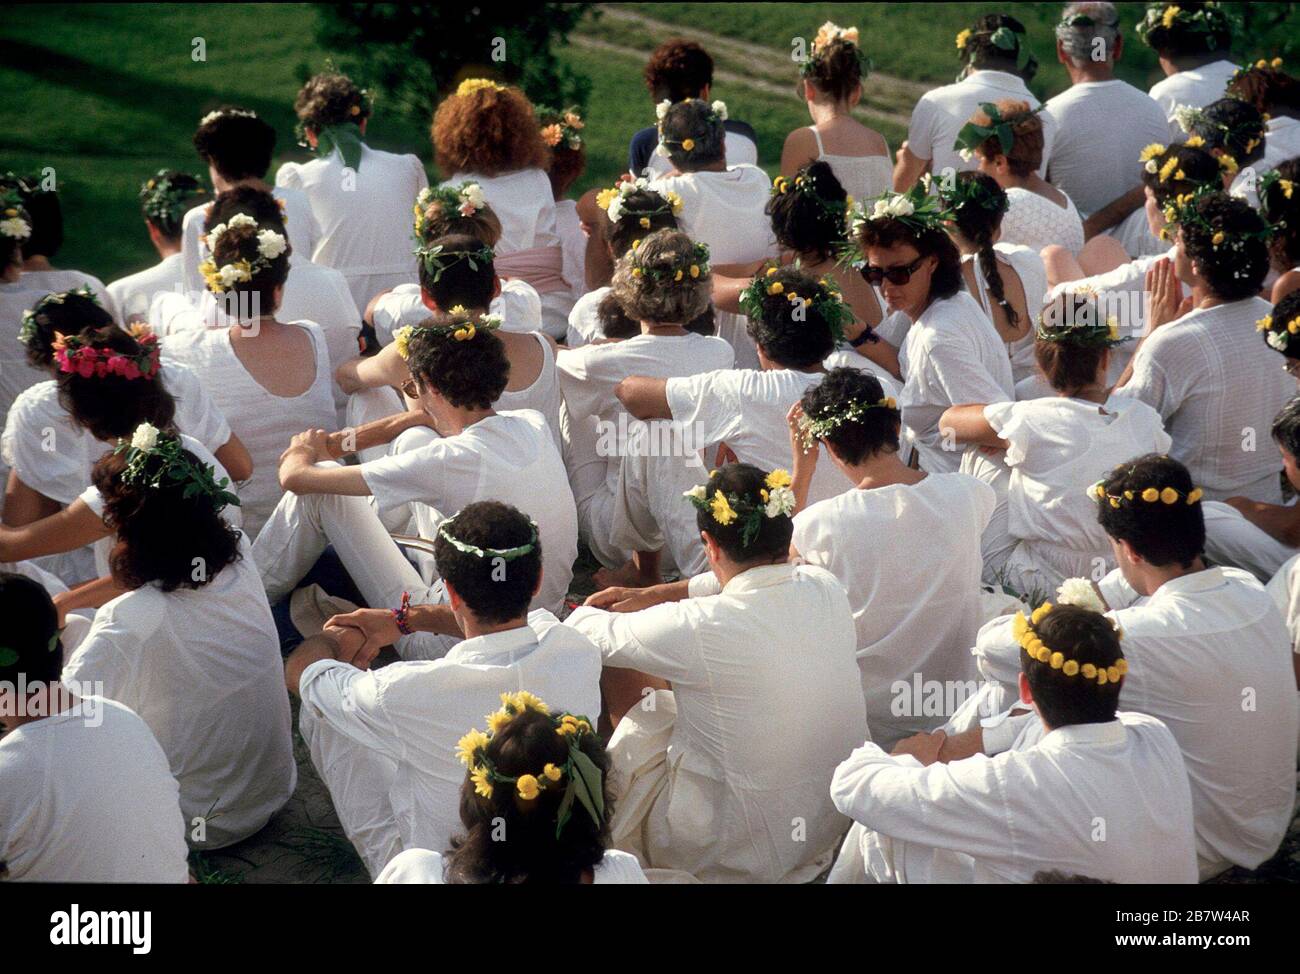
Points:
x=832, y=86
x=562, y=132
x=1208, y=654
x=237, y=146
x=724, y=777
x=953, y=354
x=270, y=378
x=383, y=741
x=1279, y=204
x=663, y=284
x=457, y=274
x=165, y=198
x=191, y=645
x=486, y=133
x=1194, y=44
x=357, y=194
x=86, y=795
x=1007, y=279
x=456, y=449
x=106, y=383
x=990, y=73
x=1272, y=91
x=1045, y=529
x=915, y=606
x=1200, y=366
x=444, y=211
x=722, y=205
x=1038, y=213
x=534, y=807
x=1087, y=791
x=1235, y=133
x=795, y=321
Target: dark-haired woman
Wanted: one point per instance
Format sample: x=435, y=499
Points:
x=191, y=645
x=1045, y=528
x=832, y=85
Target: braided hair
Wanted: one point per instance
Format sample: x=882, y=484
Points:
x=978, y=213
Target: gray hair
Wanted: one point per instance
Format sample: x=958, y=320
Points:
x=1079, y=40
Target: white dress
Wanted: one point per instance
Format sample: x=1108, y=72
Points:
x=1028, y=266
x=573, y=241
x=422, y=867
x=363, y=216
x=863, y=177
x=1034, y=221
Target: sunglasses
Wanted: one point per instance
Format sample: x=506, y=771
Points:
x=894, y=275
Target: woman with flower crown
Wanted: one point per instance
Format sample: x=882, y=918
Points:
x=1045, y=529
x=190, y=645
x=358, y=194
x=832, y=75
x=710, y=775
x=487, y=133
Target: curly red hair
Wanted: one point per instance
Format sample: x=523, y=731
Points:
x=489, y=131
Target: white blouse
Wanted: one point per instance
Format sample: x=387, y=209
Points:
x=1034, y=221
x=863, y=177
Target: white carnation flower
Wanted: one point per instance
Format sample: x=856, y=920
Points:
x=145, y=437
x=662, y=108
x=230, y=275
x=242, y=220
x=1151, y=166
x=1277, y=340
x=900, y=206
x=1185, y=116
x=780, y=501
x=270, y=244
x=966, y=155
x=214, y=235
x=1079, y=591
x=472, y=193
x=615, y=210
x=720, y=109
x=423, y=199
x=698, y=492
x=15, y=228
x=880, y=210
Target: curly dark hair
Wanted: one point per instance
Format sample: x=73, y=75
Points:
x=73, y=315
x=1286, y=425
x=469, y=374
x=257, y=203
x=1284, y=216
x=614, y=322
x=330, y=98
x=836, y=70
x=1269, y=89
x=531, y=851
x=678, y=69
x=694, y=121
x=1179, y=40
x=980, y=224
x=438, y=221
x=495, y=594
x=162, y=535
x=792, y=334
x=239, y=146
x=774, y=533
x=1234, y=126
x=947, y=279
x=876, y=431
x=490, y=131
x=1235, y=271
x=112, y=406
x=31, y=631
x=621, y=233
x=245, y=299
x=170, y=222
x=459, y=283
x=46, y=213
x=645, y=297
x=1198, y=166
x=1085, y=637
x=810, y=222
x=1161, y=534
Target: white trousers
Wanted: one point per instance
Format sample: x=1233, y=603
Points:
x=649, y=513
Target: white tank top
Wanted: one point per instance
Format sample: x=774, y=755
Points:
x=863, y=177
x=543, y=395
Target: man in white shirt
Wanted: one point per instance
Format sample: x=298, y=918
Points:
x=1092, y=155
x=384, y=742
x=1201, y=366
x=991, y=50
x=86, y=793
x=164, y=198
x=724, y=776
x=1097, y=793
x=1193, y=42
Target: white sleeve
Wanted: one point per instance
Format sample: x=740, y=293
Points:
x=661, y=641
x=708, y=402
x=703, y=584
x=347, y=699
x=197, y=415
x=920, y=130
x=100, y=660
x=1150, y=384
x=43, y=451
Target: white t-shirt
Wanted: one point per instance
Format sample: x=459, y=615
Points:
x=952, y=356
x=584, y=322
x=1034, y=221
x=725, y=211
x=738, y=148
x=941, y=113
x=573, y=240
x=523, y=202
x=1101, y=128
x=86, y=796
x=915, y=604
x=746, y=409
x=1196, y=87
x=52, y=281
x=134, y=293
x=203, y=668
x=509, y=457
x=422, y=867
x=518, y=304
x=363, y=215
x=263, y=422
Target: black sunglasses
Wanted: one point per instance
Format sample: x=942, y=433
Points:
x=895, y=275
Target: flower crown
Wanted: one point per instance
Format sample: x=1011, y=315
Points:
x=1212, y=19
x=437, y=259
x=805, y=186
x=462, y=327
x=1003, y=38
x=1026, y=633
x=75, y=355
x=717, y=114
x=917, y=209
x=956, y=194
x=584, y=782
x=226, y=112
x=852, y=411
x=1184, y=210
x=1189, y=117
x=466, y=199
x=505, y=554
x=344, y=137
x=1284, y=186
x=828, y=304
x=270, y=245
x=613, y=201
x=1082, y=330
x=1260, y=65
x=827, y=35
x=693, y=265
x=972, y=135
x=162, y=199
x=471, y=85
x=155, y=458
x=15, y=222
x=561, y=126
x=1279, y=335
x=776, y=499
x=1148, y=495
x=31, y=317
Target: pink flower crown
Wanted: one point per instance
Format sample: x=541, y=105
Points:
x=75, y=356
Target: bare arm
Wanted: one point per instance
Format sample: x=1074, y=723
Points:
x=1276, y=520
x=24, y=504
x=89, y=595
x=968, y=425
x=369, y=316
x=375, y=433
x=644, y=397
x=234, y=456
x=908, y=169
x=301, y=473
x=799, y=150
x=66, y=530
x=387, y=368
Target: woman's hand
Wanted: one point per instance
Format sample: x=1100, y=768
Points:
x=805, y=457
x=1165, y=301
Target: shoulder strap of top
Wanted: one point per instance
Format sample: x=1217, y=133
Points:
x=818, y=136
x=548, y=353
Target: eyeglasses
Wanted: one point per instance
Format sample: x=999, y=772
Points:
x=894, y=275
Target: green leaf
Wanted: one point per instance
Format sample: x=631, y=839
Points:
x=591, y=778
x=566, y=806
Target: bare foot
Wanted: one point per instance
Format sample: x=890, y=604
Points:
x=629, y=576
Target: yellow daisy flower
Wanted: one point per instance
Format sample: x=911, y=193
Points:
x=721, y=508
x=962, y=38
x=469, y=744
x=1151, y=495
x=1169, y=495
x=481, y=784
x=1150, y=152
x=778, y=478
x=528, y=787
